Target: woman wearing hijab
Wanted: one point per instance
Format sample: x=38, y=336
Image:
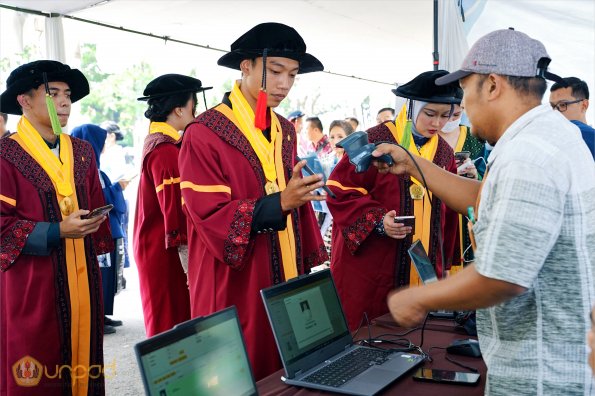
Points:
x=112, y=262
x=369, y=246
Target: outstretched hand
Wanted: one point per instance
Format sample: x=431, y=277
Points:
x=400, y=158
x=74, y=227
x=299, y=189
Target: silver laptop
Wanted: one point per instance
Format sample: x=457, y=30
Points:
x=427, y=273
x=316, y=346
x=203, y=356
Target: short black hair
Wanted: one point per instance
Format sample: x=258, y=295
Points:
x=352, y=119
x=578, y=87
x=315, y=121
x=525, y=86
x=392, y=111
x=5, y=116
x=344, y=125
x=160, y=107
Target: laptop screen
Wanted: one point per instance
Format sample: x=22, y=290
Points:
x=202, y=356
x=422, y=263
x=306, y=315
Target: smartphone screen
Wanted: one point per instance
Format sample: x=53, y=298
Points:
x=462, y=155
x=103, y=210
x=446, y=376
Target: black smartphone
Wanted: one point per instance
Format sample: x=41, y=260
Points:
x=461, y=156
x=101, y=211
x=311, y=173
x=409, y=221
x=446, y=376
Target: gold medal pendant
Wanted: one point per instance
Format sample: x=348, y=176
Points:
x=271, y=187
x=416, y=192
x=66, y=206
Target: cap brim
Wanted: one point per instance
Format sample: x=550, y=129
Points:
x=77, y=82
x=308, y=63
x=145, y=98
x=451, y=77
x=431, y=99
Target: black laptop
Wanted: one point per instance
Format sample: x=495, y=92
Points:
x=316, y=346
x=203, y=356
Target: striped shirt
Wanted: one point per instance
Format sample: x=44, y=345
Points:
x=536, y=229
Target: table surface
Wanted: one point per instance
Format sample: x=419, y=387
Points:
x=437, y=333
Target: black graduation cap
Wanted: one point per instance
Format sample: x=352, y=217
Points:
x=424, y=88
x=172, y=84
x=31, y=75
x=278, y=39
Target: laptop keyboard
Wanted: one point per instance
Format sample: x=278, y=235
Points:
x=347, y=367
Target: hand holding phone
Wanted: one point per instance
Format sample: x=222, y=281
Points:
x=408, y=221
x=311, y=173
x=461, y=156
x=101, y=211
x=446, y=376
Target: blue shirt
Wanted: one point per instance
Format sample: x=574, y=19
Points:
x=588, y=135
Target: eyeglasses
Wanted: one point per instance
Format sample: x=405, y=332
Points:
x=563, y=106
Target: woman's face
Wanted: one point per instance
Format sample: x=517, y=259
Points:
x=432, y=118
x=337, y=134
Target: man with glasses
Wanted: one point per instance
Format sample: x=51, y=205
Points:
x=573, y=102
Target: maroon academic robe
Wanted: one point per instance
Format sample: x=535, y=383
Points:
x=365, y=265
x=222, y=179
x=35, y=306
x=159, y=228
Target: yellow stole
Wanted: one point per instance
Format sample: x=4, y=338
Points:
x=271, y=160
x=164, y=128
x=422, y=209
x=459, y=147
x=61, y=173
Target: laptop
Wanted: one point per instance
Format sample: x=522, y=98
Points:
x=203, y=356
x=427, y=273
x=316, y=346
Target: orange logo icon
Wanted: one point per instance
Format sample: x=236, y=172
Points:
x=27, y=371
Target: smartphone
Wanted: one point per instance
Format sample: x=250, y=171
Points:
x=407, y=220
x=461, y=156
x=311, y=172
x=101, y=211
x=446, y=376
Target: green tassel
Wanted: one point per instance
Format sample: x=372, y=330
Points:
x=407, y=134
x=53, y=115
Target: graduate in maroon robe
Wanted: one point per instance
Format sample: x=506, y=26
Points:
x=369, y=248
x=51, y=313
x=250, y=222
x=159, y=224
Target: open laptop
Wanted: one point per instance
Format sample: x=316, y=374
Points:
x=316, y=346
x=427, y=273
x=203, y=356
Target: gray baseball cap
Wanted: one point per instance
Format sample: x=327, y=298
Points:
x=506, y=52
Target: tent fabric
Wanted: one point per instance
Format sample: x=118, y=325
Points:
x=452, y=40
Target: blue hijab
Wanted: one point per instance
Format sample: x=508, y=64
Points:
x=92, y=134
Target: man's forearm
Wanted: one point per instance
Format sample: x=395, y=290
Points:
x=467, y=290
x=458, y=193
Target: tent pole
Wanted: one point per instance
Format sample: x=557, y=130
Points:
x=435, y=53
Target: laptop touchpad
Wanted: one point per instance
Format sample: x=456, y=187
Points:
x=376, y=375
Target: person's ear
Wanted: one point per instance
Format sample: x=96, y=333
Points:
x=24, y=101
x=493, y=86
x=584, y=105
x=246, y=67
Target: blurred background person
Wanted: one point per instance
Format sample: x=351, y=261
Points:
x=353, y=121
x=385, y=114
x=3, y=120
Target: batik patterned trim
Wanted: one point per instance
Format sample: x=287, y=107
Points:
x=238, y=239
x=315, y=258
x=153, y=140
x=357, y=232
x=12, y=152
x=14, y=242
x=175, y=239
x=380, y=133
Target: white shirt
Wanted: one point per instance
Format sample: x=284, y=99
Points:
x=536, y=229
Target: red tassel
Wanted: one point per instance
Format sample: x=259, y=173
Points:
x=260, y=116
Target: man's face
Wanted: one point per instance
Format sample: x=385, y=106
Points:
x=474, y=105
x=281, y=73
x=35, y=108
x=2, y=126
x=312, y=131
x=574, y=111
x=384, y=116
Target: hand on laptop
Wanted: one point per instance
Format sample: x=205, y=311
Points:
x=405, y=308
